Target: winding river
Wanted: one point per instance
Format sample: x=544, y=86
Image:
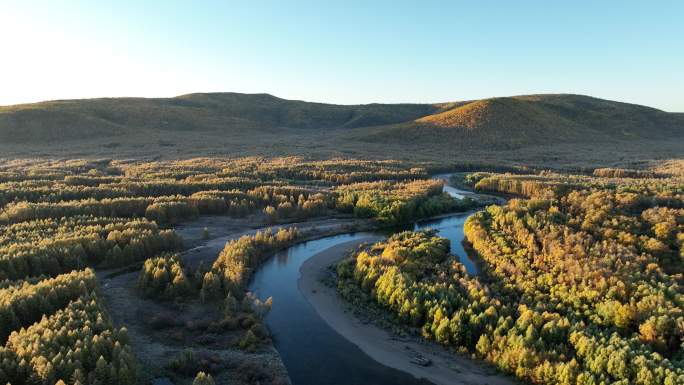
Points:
x=312, y=351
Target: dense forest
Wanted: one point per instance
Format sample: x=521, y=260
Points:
x=581, y=275
x=581, y=279
x=62, y=223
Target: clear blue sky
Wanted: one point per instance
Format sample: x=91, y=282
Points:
x=344, y=51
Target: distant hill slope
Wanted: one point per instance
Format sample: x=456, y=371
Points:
x=534, y=119
x=506, y=122
x=92, y=118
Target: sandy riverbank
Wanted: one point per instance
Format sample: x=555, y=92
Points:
x=446, y=369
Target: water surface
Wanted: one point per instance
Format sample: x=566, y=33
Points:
x=312, y=351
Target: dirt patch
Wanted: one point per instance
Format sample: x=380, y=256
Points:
x=177, y=339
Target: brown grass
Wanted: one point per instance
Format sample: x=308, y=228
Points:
x=559, y=131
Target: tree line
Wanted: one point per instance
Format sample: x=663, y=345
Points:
x=163, y=277
x=77, y=344
x=397, y=203
x=238, y=259
x=25, y=253
x=25, y=303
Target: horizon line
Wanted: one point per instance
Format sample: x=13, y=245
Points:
x=466, y=100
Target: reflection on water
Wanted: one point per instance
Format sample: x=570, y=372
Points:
x=312, y=351
x=452, y=229
x=451, y=190
x=454, y=192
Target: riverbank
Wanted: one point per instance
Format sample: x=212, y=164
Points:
x=204, y=239
x=447, y=368
x=163, y=331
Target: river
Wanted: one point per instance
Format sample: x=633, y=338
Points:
x=312, y=351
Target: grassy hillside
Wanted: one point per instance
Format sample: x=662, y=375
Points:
x=91, y=118
x=536, y=119
x=539, y=129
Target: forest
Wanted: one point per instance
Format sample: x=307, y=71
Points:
x=580, y=274
x=65, y=224
x=581, y=279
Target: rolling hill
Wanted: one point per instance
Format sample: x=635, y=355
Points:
x=535, y=119
x=92, y=118
x=496, y=123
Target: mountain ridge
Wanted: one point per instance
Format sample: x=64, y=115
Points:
x=505, y=122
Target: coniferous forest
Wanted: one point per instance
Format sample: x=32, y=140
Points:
x=581, y=279
x=66, y=225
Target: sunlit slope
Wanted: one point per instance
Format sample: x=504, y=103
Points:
x=507, y=122
x=534, y=119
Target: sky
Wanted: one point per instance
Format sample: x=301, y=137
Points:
x=344, y=52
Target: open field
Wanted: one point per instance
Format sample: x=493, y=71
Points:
x=170, y=146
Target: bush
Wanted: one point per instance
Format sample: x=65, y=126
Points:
x=163, y=277
x=203, y=379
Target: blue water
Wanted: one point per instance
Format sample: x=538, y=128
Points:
x=313, y=353
x=451, y=228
